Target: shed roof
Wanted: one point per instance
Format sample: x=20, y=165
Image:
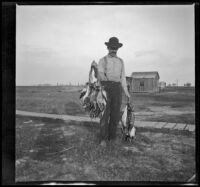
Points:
x=128, y=77
x=150, y=74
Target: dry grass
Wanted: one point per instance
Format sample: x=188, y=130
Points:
x=153, y=156
x=65, y=100
x=52, y=99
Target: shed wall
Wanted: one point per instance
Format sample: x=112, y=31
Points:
x=148, y=85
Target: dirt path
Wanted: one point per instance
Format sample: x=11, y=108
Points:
x=143, y=124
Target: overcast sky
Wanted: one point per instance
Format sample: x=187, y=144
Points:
x=58, y=43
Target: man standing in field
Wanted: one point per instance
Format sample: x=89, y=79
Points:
x=111, y=75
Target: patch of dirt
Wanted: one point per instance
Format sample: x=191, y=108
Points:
x=167, y=114
x=159, y=110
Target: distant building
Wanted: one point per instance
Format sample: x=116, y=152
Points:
x=45, y=84
x=187, y=84
x=143, y=81
x=162, y=85
x=174, y=84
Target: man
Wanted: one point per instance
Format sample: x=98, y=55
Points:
x=111, y=75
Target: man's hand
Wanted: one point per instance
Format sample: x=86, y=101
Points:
x=94, y=64
x=128, y=95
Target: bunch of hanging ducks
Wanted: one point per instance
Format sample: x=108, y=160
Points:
x=93, y=97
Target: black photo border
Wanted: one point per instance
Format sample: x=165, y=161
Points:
x=9, y=89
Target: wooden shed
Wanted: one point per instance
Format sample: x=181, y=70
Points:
x=144, y=81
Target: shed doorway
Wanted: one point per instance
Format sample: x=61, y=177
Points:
x=141, y=88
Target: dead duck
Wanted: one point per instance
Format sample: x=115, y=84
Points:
x=93, y=96
x=127, y=123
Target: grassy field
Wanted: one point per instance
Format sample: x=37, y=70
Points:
x=54, y=150
x=171, y=105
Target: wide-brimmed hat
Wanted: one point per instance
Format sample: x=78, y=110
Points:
x=114, y=43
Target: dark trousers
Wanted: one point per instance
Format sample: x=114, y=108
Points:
x=111, y=116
